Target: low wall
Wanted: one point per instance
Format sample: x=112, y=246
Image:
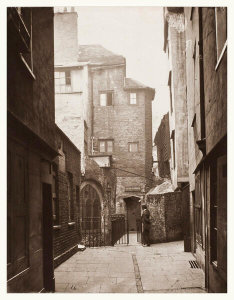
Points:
x=166, y=217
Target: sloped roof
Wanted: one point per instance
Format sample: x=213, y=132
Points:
x=133, y=84
x=165, y=187
x=130, y=83
x=97, y=54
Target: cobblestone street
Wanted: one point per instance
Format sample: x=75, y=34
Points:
x=161, y=268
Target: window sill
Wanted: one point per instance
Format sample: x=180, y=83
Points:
x=27, y=67
x=221, y=56
x=70, y=224
x=56, y=227
x=214, y=264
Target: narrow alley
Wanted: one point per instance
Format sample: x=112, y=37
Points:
x=161, y=268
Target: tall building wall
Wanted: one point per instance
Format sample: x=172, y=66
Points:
x=177, y=41
x=65, y=37
x=31, y=149
x=121, y=121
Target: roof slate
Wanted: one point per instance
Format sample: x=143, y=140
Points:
x=97, y=54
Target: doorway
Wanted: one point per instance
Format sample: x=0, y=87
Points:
x=48, y=260
x=133, y=211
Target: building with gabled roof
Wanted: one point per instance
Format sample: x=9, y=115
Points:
x=109, y=118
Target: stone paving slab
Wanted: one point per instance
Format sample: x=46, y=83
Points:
x=161, y=268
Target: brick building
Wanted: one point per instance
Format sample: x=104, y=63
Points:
x=74, y=115
x=205, y=57
x=162, y=141
x=122, y=127
x=30, y=150
x=107, y=116
x=66, y=198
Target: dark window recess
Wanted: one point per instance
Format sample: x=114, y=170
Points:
x=213, y=211
x=106, y=99
x=55, y=202
x=198, y=210
x=68, y=77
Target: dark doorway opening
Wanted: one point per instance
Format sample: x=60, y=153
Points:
x=133, y=210
x=48, y=260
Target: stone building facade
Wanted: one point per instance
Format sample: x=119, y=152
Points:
x=162, y=142
x=108, y=117
x=31, y=149
x=74, y=115
x=207, y=31
x=174, y=46
x=123, y=129
x=66, y=199
x=205, y=56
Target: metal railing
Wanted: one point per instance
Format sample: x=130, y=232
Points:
x=93, y=231
x=119, y=230
x=139, y=230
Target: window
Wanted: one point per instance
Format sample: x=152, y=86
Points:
x=173, y=147
x=63, y=82
x=221, y=30
x=20, y=23
x=55, y=202
x=133, y=98
x=213, y=211
x=106, y=146
x=198, y=210
x=169, y=84
x=133, y=147
x=91, y=208
x=78, y=199
x=106, y=99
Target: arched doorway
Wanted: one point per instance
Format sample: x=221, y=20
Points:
x=91, y=207
x=133, y=211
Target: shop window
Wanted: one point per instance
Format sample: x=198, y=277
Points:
x=198, y=210
x=213, y=211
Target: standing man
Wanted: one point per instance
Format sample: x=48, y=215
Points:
x=145, y=219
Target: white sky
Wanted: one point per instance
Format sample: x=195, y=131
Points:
x=137, y=34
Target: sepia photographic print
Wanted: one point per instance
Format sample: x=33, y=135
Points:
x=116, y=147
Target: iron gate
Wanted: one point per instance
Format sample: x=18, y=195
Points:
x=119, y=230
x=93, y=232
x=139, y=230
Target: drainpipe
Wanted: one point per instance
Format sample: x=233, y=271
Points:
x=203, y=139
x=201, y=67
x=92, y=113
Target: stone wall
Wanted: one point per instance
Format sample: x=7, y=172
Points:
x=166, y=217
